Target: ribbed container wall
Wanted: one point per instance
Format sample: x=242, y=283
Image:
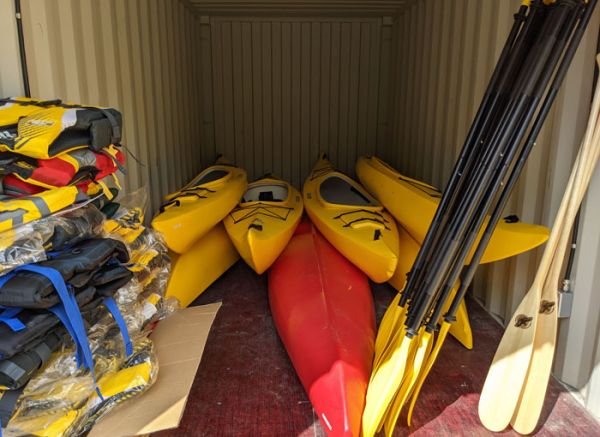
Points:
x=446, y=54
x=135, y=55
x=10, y=72
x=280, y=90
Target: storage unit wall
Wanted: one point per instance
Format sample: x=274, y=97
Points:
x=10, y=67
x=280, y=90
x=139, y=56
x=270, y=84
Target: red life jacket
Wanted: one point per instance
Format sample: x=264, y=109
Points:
x=79, y=168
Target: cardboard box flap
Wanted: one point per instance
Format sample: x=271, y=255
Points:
x=179, y=342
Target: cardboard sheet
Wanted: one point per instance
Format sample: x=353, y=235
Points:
x=179, y=342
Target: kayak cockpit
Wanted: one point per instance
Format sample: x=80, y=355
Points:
x=266, y=193
x=338, y=190
x=208, y=176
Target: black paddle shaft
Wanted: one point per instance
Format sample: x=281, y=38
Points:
x=467, y=243
x=472, y=140
x=507, y=136
x=514, y=64
x=525, y=83
x=530, y=143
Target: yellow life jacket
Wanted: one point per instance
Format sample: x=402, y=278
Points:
x=49, y=132
x=18, y=211
x=12, y=109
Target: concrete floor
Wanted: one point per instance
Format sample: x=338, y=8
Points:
x=246, y=385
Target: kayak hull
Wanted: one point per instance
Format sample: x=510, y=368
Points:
x=194, y=271
x=413, y=204
x=324, y=313
x=195, y=209
x=261, y=229
x=354, y=222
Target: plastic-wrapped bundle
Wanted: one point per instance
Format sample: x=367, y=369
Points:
x=28, y=244
x=134, y=376
x=20, y=246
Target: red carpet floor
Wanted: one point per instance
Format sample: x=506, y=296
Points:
x=246, y=385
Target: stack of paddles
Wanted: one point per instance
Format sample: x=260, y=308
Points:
x=54, y=154
x=520, y=94
x=80, y=285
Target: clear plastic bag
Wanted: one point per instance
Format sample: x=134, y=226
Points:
x=72, y=406
x=22, y=245
x=28, y=243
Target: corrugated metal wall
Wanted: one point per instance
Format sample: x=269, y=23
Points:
x=283, y=89
x=446, y=53
x=10, y=67
x=136, y=55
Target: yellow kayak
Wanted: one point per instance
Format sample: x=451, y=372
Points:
x=352, y=220
x=413, y=204
x=461, y=329
x=264, y=221
x=199, y=267
x=192, y=211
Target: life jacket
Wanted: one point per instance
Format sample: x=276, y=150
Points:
x=49, y=132
x=94, y=262
x=12, y=109
x=16, y=371
x=72, y=227
x=17, y=333
x=28, y=244
x=15, y=212
x=72, y=168
x=127, y=225
x=59, y=412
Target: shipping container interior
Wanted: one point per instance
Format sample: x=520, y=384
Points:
x=271, y=84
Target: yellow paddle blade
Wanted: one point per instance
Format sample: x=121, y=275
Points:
x=413, y=371
x=390, y=348
x=461, y=329
x=385, y=382
x=395, y=331
x=439, y=341
x=387, y=327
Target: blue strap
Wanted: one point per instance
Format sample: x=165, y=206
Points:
x=71, y=310
x=59, y=311
x=112, y=307
x=8, y=316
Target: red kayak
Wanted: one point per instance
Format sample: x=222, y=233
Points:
x=324, y=313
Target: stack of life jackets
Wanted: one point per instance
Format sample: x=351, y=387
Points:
x=47, y=386
x=54, y=154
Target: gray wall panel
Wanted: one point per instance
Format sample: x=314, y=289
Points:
x=286, y=88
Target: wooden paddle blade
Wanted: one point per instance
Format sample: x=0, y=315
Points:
x=502, y=389
x=412, y=374
x=384, y=384
x=531, y=402
x=422, y=376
